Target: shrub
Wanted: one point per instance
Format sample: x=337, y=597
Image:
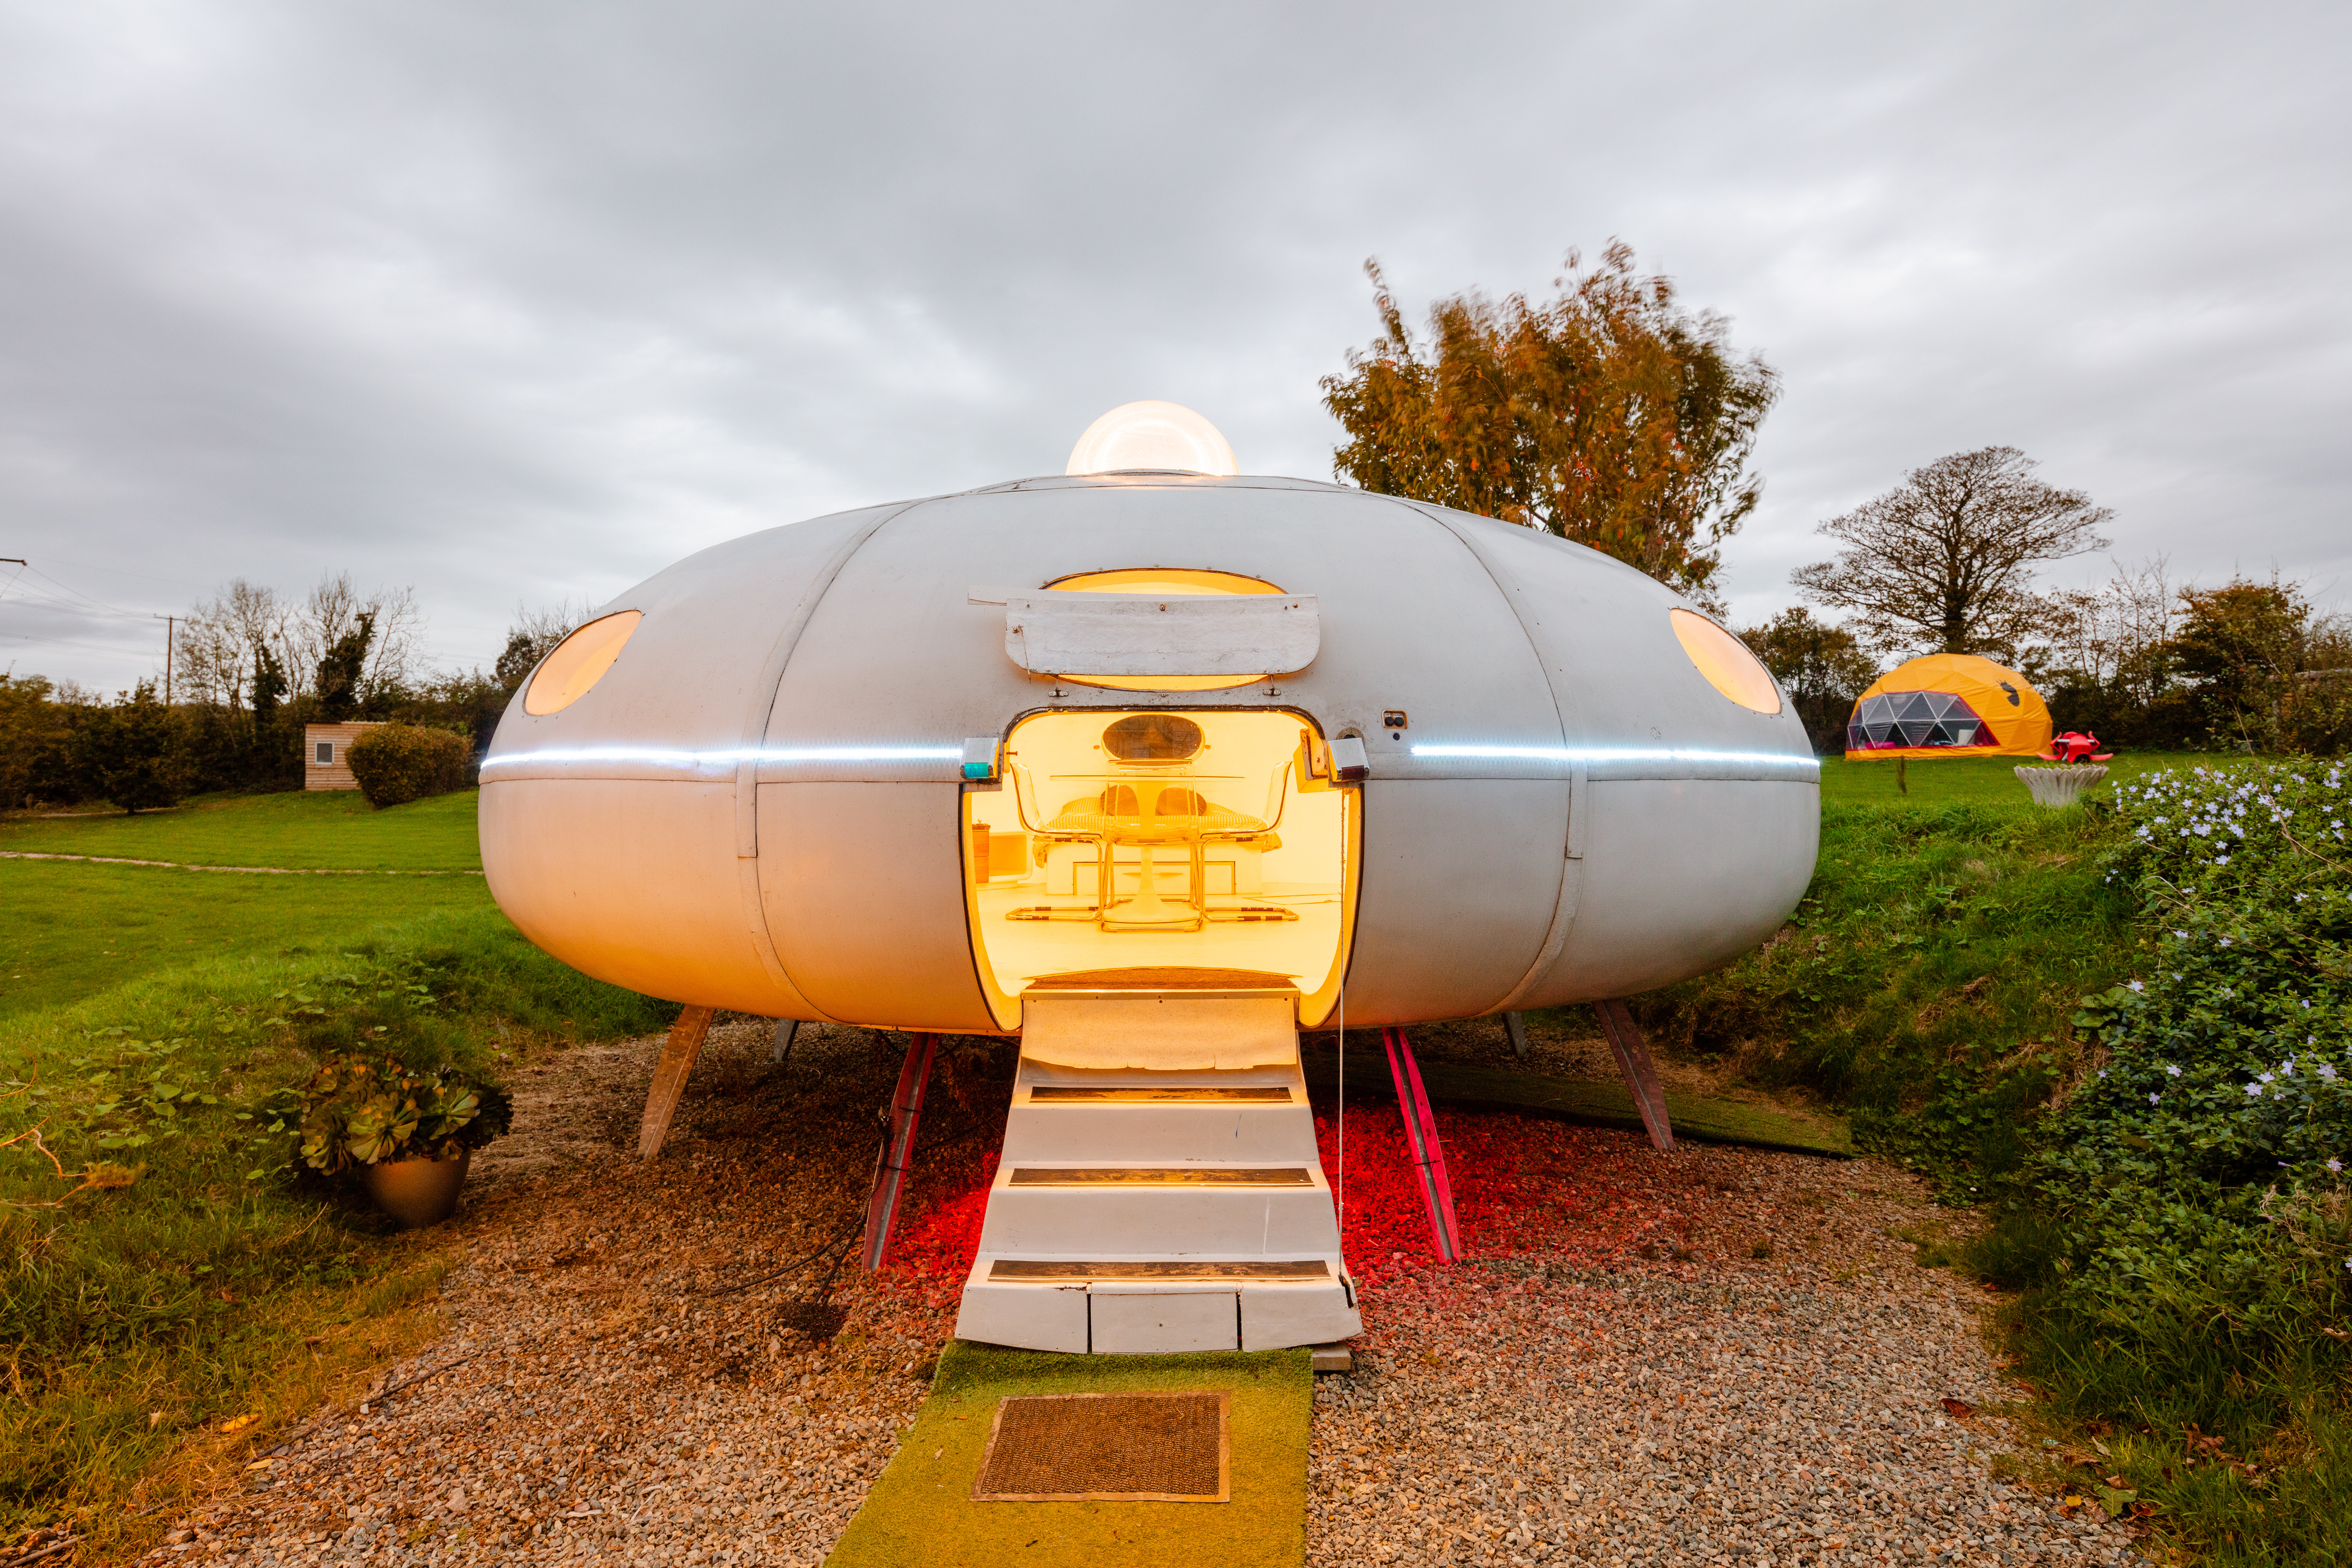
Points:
x=401, y=762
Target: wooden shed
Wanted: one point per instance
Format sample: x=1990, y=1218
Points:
x=324, y=764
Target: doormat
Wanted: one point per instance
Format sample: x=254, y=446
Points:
x=1122, y=1447
x=922, y=1511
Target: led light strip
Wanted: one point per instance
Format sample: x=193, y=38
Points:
x=733, y=757
x=1617, y=754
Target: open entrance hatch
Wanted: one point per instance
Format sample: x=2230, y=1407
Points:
x=1179, y=849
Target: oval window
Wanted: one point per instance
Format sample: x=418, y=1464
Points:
x=1153, y=738
x=1725, y=662
x=578, y=662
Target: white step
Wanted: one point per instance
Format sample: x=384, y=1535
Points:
x=1107, y=1306
x=1138, y=1209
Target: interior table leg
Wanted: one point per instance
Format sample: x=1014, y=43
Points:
x=1640, y=1073
x=890, y=1161
x=1421, y=1137
x=685, y=1043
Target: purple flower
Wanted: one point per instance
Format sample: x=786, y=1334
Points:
x=2335, y=1166
x=2327, y=1073
x=2156, y=1100
x=2134, y=985
x=2170, y=1071
x=2255, y=1090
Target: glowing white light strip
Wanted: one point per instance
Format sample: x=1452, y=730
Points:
x=1616, y=754
x=735, y=757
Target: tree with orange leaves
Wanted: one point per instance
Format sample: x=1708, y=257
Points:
x=1608, y=416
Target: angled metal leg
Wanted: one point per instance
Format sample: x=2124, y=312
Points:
x=685, y=1043
x=890, y=1161
x=1640, y=1073
x=787, y=1031
x=1421, y=1136
x=1515, y=1024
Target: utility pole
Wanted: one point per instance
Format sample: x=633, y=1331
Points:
x=171, y=625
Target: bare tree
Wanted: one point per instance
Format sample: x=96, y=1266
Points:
x=1946, y=558
x=332, y=612
x=2116, y=637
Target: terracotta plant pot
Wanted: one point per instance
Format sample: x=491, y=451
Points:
x=417, y=1193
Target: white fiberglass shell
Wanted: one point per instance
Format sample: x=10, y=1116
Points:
x=760, y=804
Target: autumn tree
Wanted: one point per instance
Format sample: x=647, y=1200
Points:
x=1821, y=667
x=1945, y=558
x=1608, y=416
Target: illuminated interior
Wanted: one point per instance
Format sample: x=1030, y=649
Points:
x=578, y=662
x=1725, y=662
x=1175, y=843
x=1173, y=581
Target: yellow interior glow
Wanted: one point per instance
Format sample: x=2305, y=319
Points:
x=1173, y=581
x=578, y=662
x=1725, y=662
x=1158, y=841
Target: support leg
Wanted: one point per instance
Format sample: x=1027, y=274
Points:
x=890, y=1161
x=1516, y=1025
x=1421, y=1137
x=787, y=1031
x=677, y=1055
x=1640, y=1073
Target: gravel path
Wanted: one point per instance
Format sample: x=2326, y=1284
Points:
x=1622, y=1381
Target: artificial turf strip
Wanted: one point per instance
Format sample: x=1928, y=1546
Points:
x=1585, y=1101
x=920, y=1513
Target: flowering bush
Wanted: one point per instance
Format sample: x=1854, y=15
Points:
x=2201, y=1165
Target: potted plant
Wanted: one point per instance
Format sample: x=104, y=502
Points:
x=407, y=1133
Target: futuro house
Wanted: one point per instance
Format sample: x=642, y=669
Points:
x=1153, y=765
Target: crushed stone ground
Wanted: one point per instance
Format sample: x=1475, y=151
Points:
x=1618, y=1380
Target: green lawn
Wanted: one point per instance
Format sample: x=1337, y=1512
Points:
x=1991, y=780
x=308, y=830
x=145, y=1015
x=68, y=931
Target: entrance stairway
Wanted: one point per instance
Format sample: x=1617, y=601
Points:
x=1160, y=1188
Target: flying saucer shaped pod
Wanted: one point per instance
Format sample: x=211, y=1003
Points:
x=899, y=766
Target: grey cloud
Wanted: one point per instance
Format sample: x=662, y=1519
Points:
x=523, y=301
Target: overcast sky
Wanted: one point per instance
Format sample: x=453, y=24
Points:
x=519, y=302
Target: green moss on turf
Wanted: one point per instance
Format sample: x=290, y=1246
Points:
x=920, y=1513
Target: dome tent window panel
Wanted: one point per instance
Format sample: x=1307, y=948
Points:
x=1156, y=841
x=1892, y=720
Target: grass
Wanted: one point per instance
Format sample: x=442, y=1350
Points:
x=156, y=1325
x=1927, y=983
x=1994, y=781
x=305, y=830
x=69, y=931
x=920, y=1513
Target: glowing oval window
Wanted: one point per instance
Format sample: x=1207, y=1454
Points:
x=578, y=662
x=1173, y=580
x=1725, y=662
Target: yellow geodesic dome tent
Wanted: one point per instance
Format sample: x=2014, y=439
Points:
x=1948, y=705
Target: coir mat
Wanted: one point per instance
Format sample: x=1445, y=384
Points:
x=921, y=1513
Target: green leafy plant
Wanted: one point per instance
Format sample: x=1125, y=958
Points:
x=396, y=763
x=359, y=1109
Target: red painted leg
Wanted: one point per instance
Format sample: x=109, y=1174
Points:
x=1421, y=1135
x=890, y=1161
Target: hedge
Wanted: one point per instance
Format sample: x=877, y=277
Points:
x=401, y=762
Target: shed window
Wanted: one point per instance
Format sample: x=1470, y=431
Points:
x=326, y=752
